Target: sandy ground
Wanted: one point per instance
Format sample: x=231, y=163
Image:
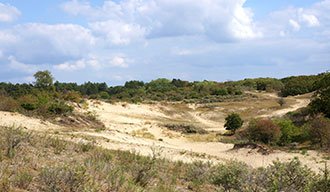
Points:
x=137, y=127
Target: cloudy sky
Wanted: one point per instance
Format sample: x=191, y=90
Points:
x=119, y=40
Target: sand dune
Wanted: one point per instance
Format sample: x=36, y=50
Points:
x=137, y=127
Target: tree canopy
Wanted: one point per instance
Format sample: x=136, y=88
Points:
x=321, y=101
x=233, y=122
x=44, y=79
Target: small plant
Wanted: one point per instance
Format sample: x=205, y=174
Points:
x=58, y=144
x=23, y=179
x=281, y=102
x=13, y=138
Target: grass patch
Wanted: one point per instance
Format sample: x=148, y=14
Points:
x=143, y=133
x=85, y=167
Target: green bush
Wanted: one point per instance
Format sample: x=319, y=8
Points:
x=289, y=131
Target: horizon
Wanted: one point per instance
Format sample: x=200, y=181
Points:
x=121, y=40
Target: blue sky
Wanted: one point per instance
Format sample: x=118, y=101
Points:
x=116, y=41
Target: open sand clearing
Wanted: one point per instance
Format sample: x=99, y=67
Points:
x=138, y=127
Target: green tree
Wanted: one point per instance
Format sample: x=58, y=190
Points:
x=233, y=122
x=44, y=79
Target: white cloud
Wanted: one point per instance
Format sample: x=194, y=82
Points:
x=8, y=13
x=295, y=25
x=311, y=20
x=42, y=43
x=71, y=66
x=19, y=66
x=120, y=61
x=118, y=33
x=220, y=20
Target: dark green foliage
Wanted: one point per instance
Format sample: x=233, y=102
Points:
x=186, y=129
x=265, y=131
x=60, y=108
x=233, y=122
x=321, y=101
x=29, y=106
x=298, y=85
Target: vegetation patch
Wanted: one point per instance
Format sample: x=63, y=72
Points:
x=185, y=129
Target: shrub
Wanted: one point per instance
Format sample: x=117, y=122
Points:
x=287, y=176
x=13, y=137
x=230, y=176
x=197, y=174
x=265, y=131
x=73, y=96
x=8, y=104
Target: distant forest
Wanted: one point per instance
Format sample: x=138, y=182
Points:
x=173, y=90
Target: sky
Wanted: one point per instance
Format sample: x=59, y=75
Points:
x=115, y=41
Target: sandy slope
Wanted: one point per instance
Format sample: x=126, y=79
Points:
x=122, y=120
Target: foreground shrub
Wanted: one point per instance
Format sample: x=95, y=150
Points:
x=287, y=176
x=265, y=131
x=230, y=176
